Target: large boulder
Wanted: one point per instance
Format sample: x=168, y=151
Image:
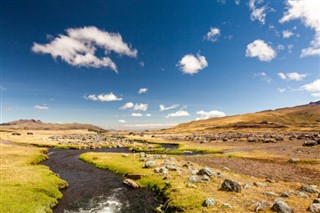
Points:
x=315, y=208
x=280, y=206
x=231, y=186
x=206, y=171
x=310, y=143
x=309, y=189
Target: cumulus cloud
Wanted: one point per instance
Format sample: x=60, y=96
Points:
x=261, y=50
x=148, y=115
x=210, y=114
x=165, y=108
x=103, y=97
x=258, y=14
x=136, y=114
x=213, y=34
x=313, y=87
x=122, y=121
x=292, y=76
x=191, y=64
x=128, y=105
x=263, y=77
x=281, y=90
x=79, y=45
x=142, y=90
x=180, y=113
x=287, y=34
x=41, y=107
x=308, y=12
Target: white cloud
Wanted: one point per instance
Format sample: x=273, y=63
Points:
x=281, y=90
x=128, y=105
x=213, y=34
x=103, y=97
x=313, y=87
x=136, y=114
x=142, y=90
x=79, y=45
x=290, y=47
x=180, y=113
x=41, y=107
x=258, y=13
x=191, y=64
x=287, y=34
x=292, y=76
x=122, y=121
x=308, y=12
x=261, y=50
x=211, y=114
x=164, y=108
x=141, y=63
x=237, y=2
x=148, y=115
x=263, y=77
x=140, y=107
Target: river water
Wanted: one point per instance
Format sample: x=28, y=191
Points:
x=94, y=190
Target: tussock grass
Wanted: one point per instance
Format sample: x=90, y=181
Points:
x=25, y=185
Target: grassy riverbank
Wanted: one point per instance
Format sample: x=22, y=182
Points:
x=27, y=186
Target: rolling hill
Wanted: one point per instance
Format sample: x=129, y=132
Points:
x=299, y=118
x=31, y=124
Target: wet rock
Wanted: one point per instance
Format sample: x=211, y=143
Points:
x=150, y=164
x=310, y=143
x=230, y=185
x=206, y=171
x=194, y=179
x=281, y=206
x=309, y=189
x=130, y=183
x=314, y=208
x=209, y=202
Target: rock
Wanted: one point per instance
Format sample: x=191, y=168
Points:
x=261, y=206
x=319, y=195
x=171, y=167
x=162, y=170
x=310, y=143
x=314, y=208
x=309, y=189
x=302, y=194
x=206, y=171
x=226, y=206
x=271, y=194
x=252, y=139
x=209, y=202
x=285, y=194
x=230, y=185
x=317, y=200
x=281, y=206
x=205, y=178
x=294, y=160
x=226, y=168
x=150, y=164
x=130, y=183
x=194, y=179
x=259, y=184
x=125, y=155
x=247, y=186
x=190, y=185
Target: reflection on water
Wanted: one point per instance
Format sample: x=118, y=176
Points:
x=103, y=204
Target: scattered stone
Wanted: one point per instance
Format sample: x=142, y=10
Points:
x=190, y=185
x=285, y=194
x=281, y=206
x=317, y=200
x=269, y=180
x=294, y=160
x=252, y=139
x=226, y=168
x=261, y=206
x=162, y=170
x=271, y=194
x=230, y=185
x=314, y=208
x=125, y=155
x=206, y=171
x=259, y=184
x=309, y=189
x=227, y=206
x=209, y=202
x=247, y=186
x=130, y=183
x=194, y=179
x=150, y=164
x=310, y=143
x=171, y=167
x=205, y=178
x=302, y=194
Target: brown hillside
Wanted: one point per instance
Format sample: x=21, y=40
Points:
x=301, y=118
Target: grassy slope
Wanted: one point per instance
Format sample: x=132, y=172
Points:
x=25, y=185
x=296, y=118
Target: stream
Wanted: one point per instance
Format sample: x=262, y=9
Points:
x=94, y=190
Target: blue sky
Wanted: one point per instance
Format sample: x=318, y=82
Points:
x=85, y=61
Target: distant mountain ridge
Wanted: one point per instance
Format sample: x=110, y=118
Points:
x=32, y=124
x=298, y=118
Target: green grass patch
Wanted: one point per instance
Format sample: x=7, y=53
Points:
x=25, y=185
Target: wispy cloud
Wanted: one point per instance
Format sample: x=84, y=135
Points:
x=103, y=97
x=292, y=76
x=41, y=107
x=191, y=64
x=263, y=77
x=164, y=108
x=281, y=90
x=136, y=114
x=213, y=34
x=308, y=12
x=258, y=14
x=180, y=113
x=142, y=90
x=122, y=121
x=78, y=47
x=210, y=114
x=261, y=50
x=287, y=34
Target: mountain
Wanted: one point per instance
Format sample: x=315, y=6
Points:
x=299, y=118
x=31, y=124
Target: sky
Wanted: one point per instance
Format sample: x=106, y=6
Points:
x=154, y=64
